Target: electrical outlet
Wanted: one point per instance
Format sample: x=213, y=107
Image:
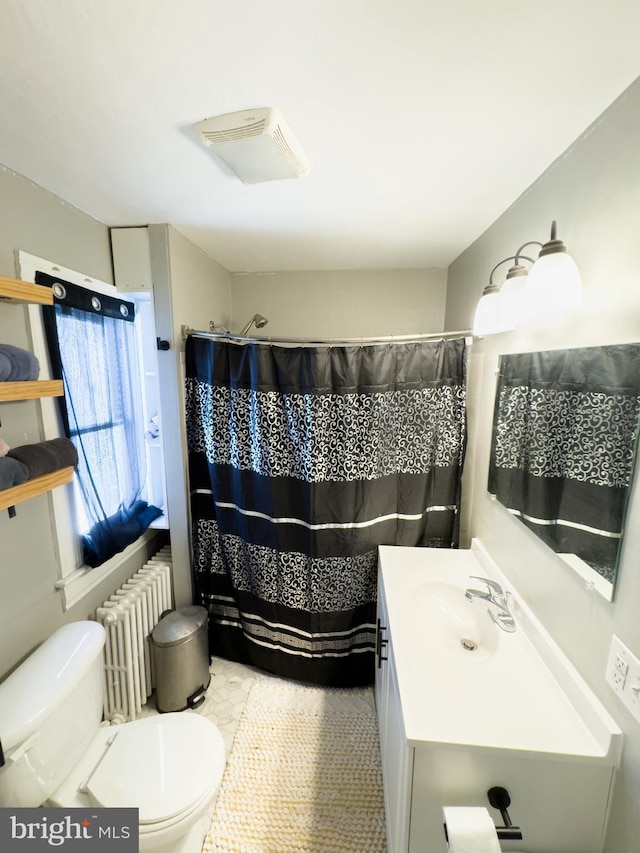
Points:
x=619, y=671
x=618, y=680
x=620, y=664
x=623, y=675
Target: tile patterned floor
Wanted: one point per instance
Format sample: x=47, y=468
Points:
x=225, y=698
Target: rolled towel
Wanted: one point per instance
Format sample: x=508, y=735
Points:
x=46, y=457
x=5, y=367
x=24, y=365
x=12, y=473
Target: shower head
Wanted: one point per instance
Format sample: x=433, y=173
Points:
x=259, y=322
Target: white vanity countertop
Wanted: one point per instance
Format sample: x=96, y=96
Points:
x=524, y=696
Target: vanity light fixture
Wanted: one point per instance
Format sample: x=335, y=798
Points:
x=497, y=310
x=550, y=289
x=553, y=287
x=511, y=299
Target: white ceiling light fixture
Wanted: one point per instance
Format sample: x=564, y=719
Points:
x=257, y=145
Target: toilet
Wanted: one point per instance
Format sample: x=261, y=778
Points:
x=57, y=752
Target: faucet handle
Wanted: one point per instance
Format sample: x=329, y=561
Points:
x=492, y=585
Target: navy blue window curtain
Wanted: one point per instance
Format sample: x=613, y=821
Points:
x=93, y=348
x=302, y=460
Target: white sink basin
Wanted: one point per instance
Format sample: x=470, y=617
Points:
x=454, y=625
x=466, y=681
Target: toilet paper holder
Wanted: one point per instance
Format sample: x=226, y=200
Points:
x=499, y=798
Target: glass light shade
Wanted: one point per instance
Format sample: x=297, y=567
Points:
x=553, y=288
x=511, y=301
x=487, y=319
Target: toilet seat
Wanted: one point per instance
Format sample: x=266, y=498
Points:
x=157, y=765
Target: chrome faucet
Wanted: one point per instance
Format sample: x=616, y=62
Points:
x=498, y=598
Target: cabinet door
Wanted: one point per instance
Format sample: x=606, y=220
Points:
x=382, y=634
x=398, y=768
x=397, y=755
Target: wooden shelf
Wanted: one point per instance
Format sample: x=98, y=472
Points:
x=37, y=486
x=30, y=390
x=13, y=290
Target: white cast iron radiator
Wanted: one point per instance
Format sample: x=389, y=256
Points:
x=129, y=616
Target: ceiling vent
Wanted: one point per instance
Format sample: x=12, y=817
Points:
x=257, y=144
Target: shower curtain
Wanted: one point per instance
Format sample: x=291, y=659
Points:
x=302, y=460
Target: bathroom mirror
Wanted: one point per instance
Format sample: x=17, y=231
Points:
x=563, y=447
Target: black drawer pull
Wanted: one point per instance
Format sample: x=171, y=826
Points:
x=381, y=643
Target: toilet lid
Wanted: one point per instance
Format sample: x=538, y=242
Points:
x=163, y=765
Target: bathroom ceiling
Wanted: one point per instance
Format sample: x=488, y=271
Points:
x=423, y=121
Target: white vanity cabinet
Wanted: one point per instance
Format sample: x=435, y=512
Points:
x=397, y=755
x=513, y=714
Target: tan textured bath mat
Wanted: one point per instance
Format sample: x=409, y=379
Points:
x=303, y=775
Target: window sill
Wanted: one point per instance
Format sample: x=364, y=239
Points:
x=76, y=585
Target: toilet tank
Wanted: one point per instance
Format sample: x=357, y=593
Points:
x=50, y=709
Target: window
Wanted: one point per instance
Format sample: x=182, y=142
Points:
x=111, y=415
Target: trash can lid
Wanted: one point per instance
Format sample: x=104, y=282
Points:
x=179, y=625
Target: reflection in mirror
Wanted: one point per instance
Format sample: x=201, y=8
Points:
x=563, y=448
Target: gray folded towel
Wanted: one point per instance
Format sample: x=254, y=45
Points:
x=46, y=457
x=24, y=365
x=12, y=473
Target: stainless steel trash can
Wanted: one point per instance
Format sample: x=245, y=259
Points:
x=180, y=647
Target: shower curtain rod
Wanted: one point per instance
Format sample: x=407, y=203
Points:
x=382, y=339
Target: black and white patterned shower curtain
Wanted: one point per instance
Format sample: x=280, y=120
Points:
x=302, y=460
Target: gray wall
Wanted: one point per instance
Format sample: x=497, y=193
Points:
x=593, y=191
x=30, y=608
x=341, y=303
x=189, y=288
